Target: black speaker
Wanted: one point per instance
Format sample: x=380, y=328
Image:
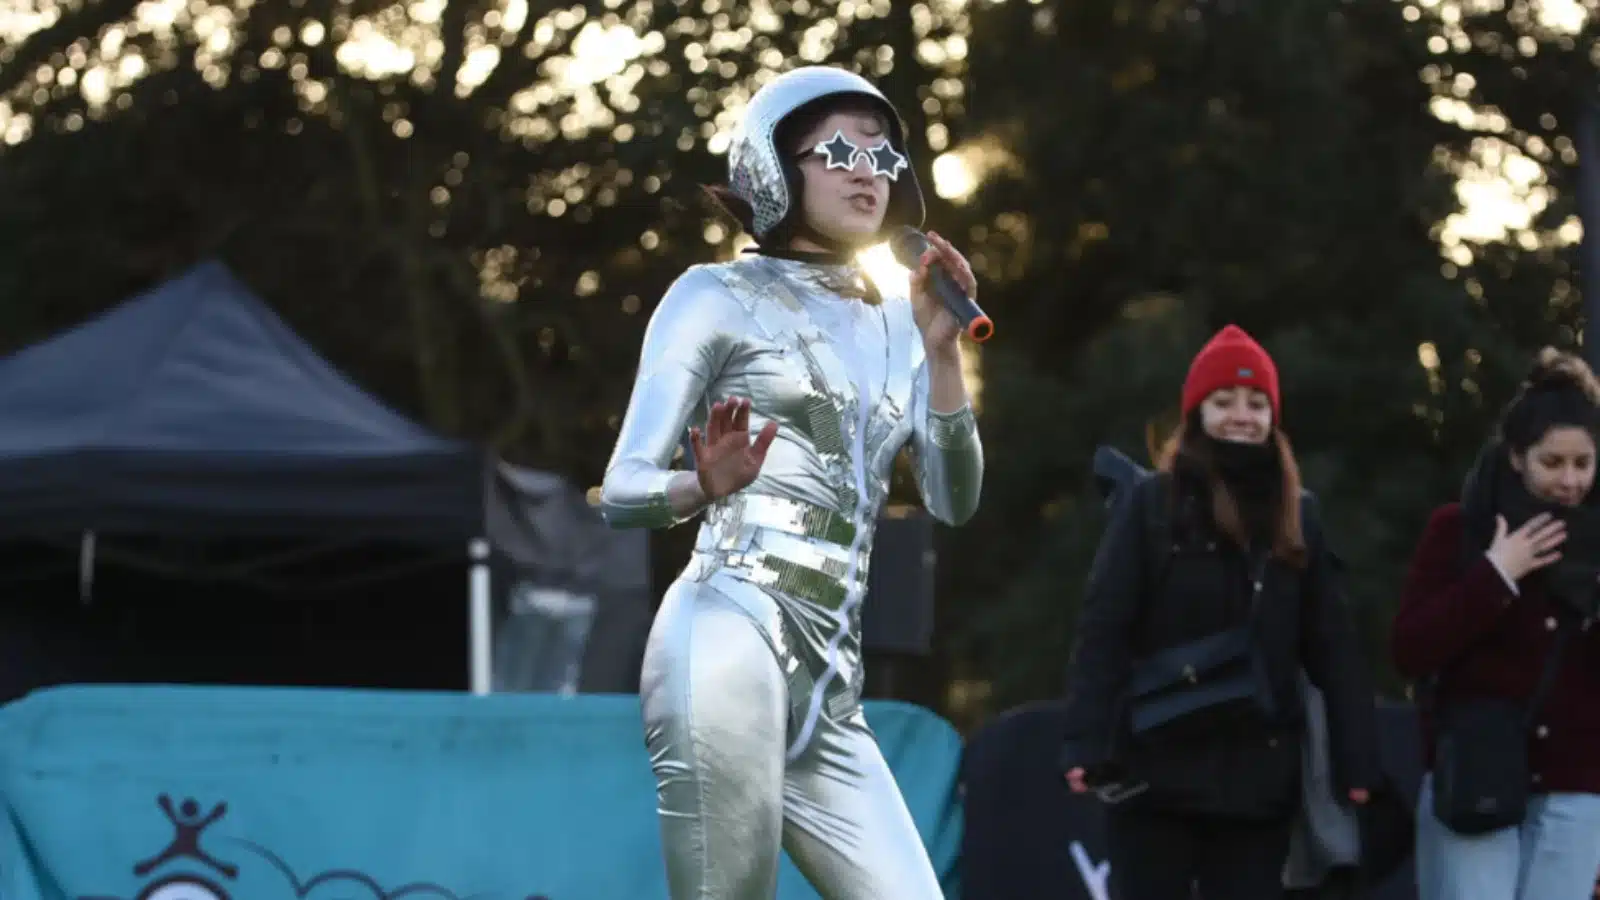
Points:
x=897, y=612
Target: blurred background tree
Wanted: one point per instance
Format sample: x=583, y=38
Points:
x=471, y=206
x=1290, y=167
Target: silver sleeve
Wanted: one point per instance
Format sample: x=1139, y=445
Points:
x=688, y=341
x=948, y=457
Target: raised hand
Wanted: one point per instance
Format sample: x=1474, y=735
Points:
x=1529, y=548
x=726, y=460
x=1076, y=780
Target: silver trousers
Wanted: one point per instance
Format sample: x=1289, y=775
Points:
x=717, y=712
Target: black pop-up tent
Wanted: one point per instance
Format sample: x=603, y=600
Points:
x=189, y=433
x=193, y=409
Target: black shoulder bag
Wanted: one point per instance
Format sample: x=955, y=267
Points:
x=1222, y=669
x=1480, y=770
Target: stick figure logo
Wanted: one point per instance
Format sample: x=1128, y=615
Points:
x=189, y=824
x=185, y=844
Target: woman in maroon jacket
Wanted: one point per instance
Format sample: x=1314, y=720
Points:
x=1488, y=606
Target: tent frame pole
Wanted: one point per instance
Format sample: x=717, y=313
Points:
x=1588, y=141
x=478, y=649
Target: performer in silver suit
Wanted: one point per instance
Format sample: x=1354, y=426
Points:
x=752, y=676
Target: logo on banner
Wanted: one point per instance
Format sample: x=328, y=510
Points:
x=1096, y=876
x=185, y=848
x=188, y=825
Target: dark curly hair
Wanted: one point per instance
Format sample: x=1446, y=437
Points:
x=1560, y=390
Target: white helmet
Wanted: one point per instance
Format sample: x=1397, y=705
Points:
x=760, y=175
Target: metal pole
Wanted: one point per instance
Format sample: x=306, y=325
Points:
x=480, y=666
x=1588, y=141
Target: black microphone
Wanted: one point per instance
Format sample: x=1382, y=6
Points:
x=908, y=245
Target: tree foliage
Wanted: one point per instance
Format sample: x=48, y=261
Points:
x=460, y=203
x=1279, y=166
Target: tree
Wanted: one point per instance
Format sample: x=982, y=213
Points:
x=471, y=209
x=1264, y=164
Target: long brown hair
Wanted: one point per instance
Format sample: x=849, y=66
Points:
x=1186, y=441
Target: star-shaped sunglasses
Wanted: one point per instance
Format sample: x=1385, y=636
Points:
x=841, y=153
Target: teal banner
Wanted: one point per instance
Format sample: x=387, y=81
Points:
x=167, y=793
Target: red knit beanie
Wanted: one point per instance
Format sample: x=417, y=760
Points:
x=1230, y=359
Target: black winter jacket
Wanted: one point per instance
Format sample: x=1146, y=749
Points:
x=1234, y=764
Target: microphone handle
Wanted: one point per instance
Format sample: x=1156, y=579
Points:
x=966, y=311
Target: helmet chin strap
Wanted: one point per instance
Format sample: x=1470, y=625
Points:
x=833, y=251
x=803, y=229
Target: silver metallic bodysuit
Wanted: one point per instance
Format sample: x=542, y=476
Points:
x=752, y=675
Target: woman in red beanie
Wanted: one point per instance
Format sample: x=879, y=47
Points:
x=1495, y=624
x=1211, y=591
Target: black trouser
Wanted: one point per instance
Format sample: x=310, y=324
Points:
x=1163, y=856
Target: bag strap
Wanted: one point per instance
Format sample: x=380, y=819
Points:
x=1547, y=676
x=1155, y=517
x=1541, y=689
x=1159, y=532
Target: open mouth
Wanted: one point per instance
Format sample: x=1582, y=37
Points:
x=864, y=202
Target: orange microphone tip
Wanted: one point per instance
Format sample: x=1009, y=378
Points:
x=980, y=329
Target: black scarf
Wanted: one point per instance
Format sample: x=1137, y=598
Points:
x=1253, y=476
x=1493, y=488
